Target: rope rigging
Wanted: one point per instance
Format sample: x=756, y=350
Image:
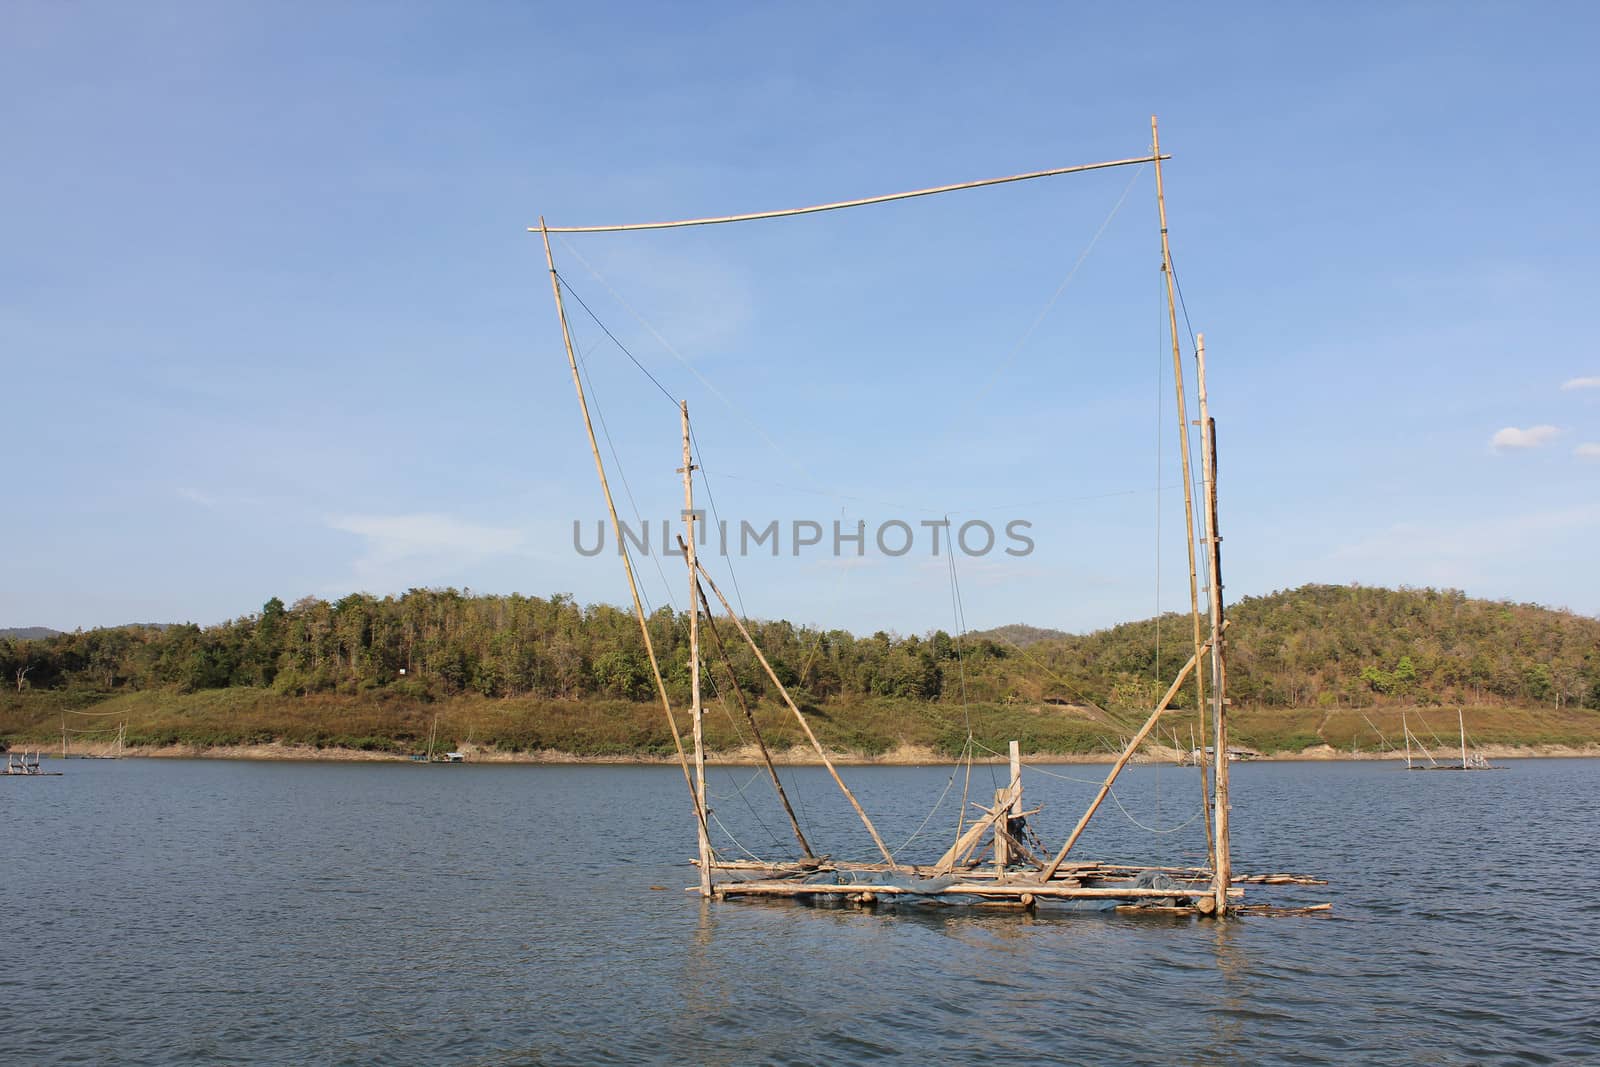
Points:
x=672, y=350
x=1010, y=357
x=567, y=287
x=622, y=543
x=1037, y=768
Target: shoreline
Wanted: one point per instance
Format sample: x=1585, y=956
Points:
x=901, y=756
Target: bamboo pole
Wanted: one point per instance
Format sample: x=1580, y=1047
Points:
x=755, y=730
x=1116, y=768
x=1221, y=846
x=1014, y=750
x=1461, y=720
x=1013, y=804
x=697, y=709
x=801, y=719
x=1188, y=487
x=835, y=206
x=1407, y=731
x=1002, y=853
x=959, y=889
x=616, y=531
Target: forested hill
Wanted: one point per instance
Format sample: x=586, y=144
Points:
x=1021, y=635
x=1316, y=646
x=1352, y=646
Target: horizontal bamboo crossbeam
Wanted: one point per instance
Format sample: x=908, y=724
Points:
x=1077, y=872
x=837, y=205
x=961, y=889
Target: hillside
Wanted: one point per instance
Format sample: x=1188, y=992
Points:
x=1355, y=646
x=1307, y=665
x=1021, y=634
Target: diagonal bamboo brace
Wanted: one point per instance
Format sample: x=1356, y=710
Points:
x=974, y=833
x=1122, y=761
x=804, y=726
x=744, y=706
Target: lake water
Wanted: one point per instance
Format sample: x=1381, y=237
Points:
x=220, y=912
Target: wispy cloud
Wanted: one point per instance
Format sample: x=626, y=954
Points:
x=847, y=563
x=1532, y=437
x=1588, y=450
x=424, y=540
x=226, y=500
x=1581, y=383
x=195, y=496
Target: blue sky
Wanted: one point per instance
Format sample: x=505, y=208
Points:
x=271, y=322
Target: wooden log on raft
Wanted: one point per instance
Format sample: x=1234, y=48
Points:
x=1281, y=910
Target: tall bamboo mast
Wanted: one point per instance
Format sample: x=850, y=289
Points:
x=1188, y=486
x=696, y=708
x=1221, y=851
x=616, y=531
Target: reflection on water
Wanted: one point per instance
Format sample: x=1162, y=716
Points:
x=194, y=911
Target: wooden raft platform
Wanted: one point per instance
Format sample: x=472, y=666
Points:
x=1182, y=890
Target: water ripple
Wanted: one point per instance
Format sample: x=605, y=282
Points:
x=177, y=912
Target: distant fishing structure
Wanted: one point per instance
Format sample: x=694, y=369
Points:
x=1477, y=761
x=27, y=764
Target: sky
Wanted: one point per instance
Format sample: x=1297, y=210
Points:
x=272, y=322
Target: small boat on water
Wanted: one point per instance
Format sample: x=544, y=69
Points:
x=429, y=756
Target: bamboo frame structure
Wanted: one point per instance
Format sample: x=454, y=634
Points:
x=1013, y=876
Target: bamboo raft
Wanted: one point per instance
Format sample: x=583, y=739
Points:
x=990, y=866
x=993, y=861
